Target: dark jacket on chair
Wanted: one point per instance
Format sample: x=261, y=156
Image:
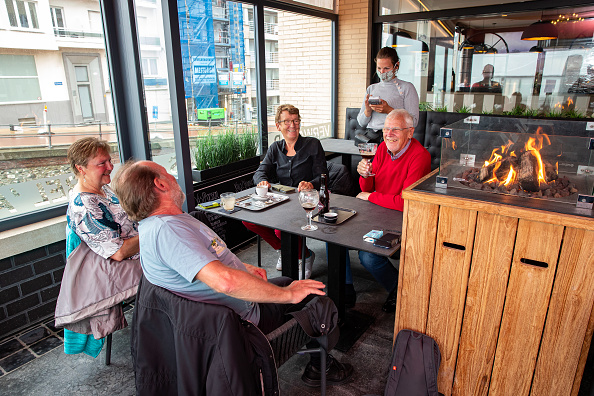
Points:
x=183, y=347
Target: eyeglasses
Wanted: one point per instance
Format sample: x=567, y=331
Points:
x=288, y=122
x=396, y=130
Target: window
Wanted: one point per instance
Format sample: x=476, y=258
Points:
x=149, y=67
x=58, y=19
x=49, y=97
x=22, y=13
x=480, y=64
x=18, y=79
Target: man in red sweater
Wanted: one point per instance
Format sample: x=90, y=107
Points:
x=399, y=162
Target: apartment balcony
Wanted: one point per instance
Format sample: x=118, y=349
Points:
x=78, y=38
x=221, y=38
x=220, y=13
x=272, y=85
x=269, y=28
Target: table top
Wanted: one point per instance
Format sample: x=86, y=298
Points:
x=289, y=216
x=340, y=146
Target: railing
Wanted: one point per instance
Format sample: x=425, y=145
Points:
x=27, y=134
x=144, y=40
x=272, y=57
x=62, y=32
x=269, y=27
x=219, y=12
x=272, y=84
x=221, y=37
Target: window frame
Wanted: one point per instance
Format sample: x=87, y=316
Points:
x=130, y=113
x=32, y=22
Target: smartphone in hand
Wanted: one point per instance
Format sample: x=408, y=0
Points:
x=374, y=101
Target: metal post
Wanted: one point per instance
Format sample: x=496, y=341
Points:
x=100, y=137
x=49, y=135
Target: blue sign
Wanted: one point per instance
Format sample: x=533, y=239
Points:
x=58, y=83
x=155, y=112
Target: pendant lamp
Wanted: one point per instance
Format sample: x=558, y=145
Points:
x=540, y=31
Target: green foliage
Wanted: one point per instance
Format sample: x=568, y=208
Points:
x=517, y=111
x=531, y=112
x=487, y=112
x=553, y=114
x=441, y=109
x=425, y=106
x=573, y=114
x=464, y=110
x=224, y=148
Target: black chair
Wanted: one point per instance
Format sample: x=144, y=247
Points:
x=167, y=328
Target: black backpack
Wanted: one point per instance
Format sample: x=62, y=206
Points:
x=415, y=361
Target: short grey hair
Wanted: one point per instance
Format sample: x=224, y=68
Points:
x=403, y=115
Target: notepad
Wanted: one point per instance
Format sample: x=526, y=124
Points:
x=281, y=188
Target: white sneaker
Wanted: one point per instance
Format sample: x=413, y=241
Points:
x=279, y=263
x=308, y=264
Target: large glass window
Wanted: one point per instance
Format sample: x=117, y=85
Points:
x=390, y=7
x=299, y=70
x=53, y=90
x=500, y=64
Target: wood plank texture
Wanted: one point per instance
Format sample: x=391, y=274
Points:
x=416, y=266
x=583, y=355
x=569, y=313
x=487, y=285
x=526, y=305
x=500, y=209
x=453, y=252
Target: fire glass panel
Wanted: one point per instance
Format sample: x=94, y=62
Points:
x=532, y=158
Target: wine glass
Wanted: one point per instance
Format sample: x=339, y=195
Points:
x=309, y=200
x=368, y=151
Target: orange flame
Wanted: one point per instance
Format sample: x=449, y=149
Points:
x=454, y=145
x=511, y=176
x=534, y=145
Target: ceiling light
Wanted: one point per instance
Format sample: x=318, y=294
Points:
x=536, y=49
x=540, y=31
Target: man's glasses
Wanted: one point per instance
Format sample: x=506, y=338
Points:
x=288, y=122
x=395, y=130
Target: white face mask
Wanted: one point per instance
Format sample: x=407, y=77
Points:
x=387, y=76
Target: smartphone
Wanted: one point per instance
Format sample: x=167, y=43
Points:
x=388, y=240
x=375, y=101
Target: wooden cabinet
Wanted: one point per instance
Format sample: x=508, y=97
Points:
x=507, y=292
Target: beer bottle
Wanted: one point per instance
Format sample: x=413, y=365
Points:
x=324, y=203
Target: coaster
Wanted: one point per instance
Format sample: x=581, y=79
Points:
x=236, y=209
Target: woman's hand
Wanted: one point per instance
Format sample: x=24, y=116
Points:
x=364, y=168
x=129, y=248
x=368, y=108
x=305, y=186
x=382, y=108
x=264, y=183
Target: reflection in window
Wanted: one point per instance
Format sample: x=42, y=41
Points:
x=472, y=66
x=49, y=97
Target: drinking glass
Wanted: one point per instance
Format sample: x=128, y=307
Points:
x=228, y=201
x=309, y=200
x=367, y=151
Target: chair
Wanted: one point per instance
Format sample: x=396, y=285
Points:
x=181, y=346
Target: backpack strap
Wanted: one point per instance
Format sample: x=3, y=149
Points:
x=429, y=356
x=397, y=361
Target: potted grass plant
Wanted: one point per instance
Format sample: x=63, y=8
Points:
x=225, y=153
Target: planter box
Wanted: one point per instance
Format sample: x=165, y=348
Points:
x=227, y=169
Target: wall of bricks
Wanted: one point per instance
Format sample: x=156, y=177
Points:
x=29, y=287
x=354, y=54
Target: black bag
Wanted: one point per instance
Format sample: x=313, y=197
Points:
x=415, y=361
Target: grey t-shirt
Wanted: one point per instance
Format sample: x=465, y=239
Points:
x=174, y=248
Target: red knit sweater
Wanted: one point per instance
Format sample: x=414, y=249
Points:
x=391, y=177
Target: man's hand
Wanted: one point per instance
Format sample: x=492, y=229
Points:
x=364, y=195
x=303, y=288
x=364, y=167
x=305, y=186
x=264, y=183
x=382, y=108
x=256, y=271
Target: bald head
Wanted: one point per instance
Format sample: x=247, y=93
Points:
x=134, y=184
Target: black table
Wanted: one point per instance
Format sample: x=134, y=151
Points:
x=289, y=216
x=346, y=148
